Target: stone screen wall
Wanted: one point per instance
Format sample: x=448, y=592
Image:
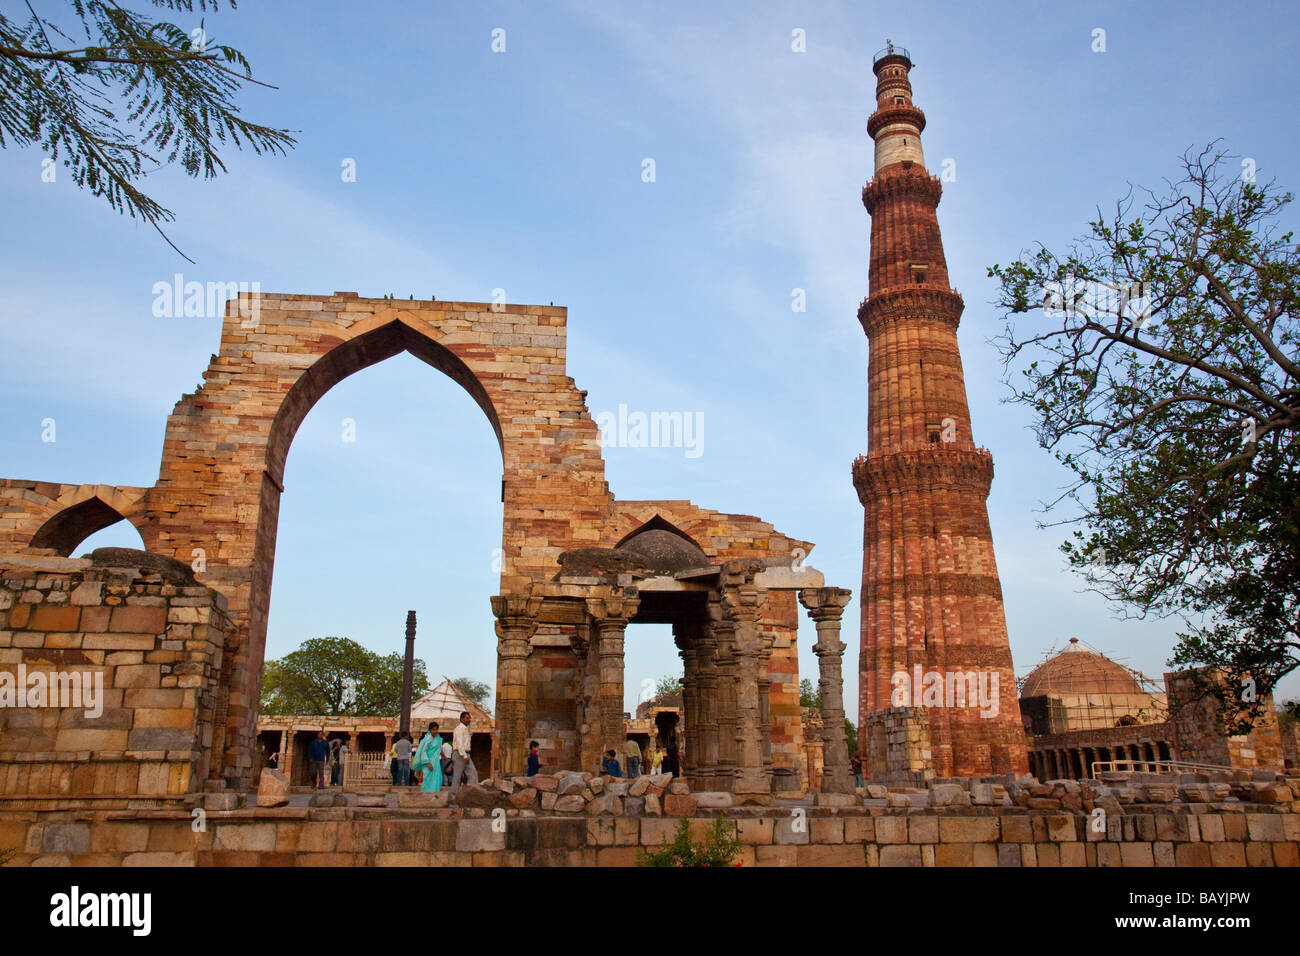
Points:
x=145, y=645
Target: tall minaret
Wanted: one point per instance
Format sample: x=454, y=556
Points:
x=931, y=601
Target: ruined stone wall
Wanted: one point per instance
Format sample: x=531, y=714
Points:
x=852, y=837
x=153, y=640
x=56, y=518
x=1199, y=731
x=215, y=506
x=895, y=745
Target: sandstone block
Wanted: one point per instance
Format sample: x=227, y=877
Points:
x=680, y=805
x=525, y=797
x=475, y=795
x=221, y=801
x=272, y=789
x=711, y=800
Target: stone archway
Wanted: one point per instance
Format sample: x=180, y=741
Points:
x=215, y=508
x=216, y=504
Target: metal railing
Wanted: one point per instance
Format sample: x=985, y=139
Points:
x=1145, y=766
x=891, y=50
x=365, y=770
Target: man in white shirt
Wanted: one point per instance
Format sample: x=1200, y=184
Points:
x=460, y=746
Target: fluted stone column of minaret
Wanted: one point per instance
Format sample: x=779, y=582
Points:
x=931, y=599
x=826, y=607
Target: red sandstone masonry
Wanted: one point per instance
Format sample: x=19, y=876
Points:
x=158, y=647
x=855, y=837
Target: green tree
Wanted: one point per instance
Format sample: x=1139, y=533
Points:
x=335, y=676
x=667, y=686
x=1166, y=378
x=851, y=736
x=475, y=690
x=118, y=94
x=718, y=848
x=808, y=695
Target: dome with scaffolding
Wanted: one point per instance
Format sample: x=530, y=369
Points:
x=1077, y=670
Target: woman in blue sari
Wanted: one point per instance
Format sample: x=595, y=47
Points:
x=428, y=760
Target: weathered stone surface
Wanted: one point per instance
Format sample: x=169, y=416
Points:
x=525, y=797
x=475, y=795
x=272, y=789
x=326, y=798
x=634, y=806
x=596, y=786
x=545, y=782
x=638, y=787
x=573, y=803
x=605, y=804
x=477, y=836
x=710, y=800
x=569, y=783
x=653, y=807
x=679, y=788
x=231, y=801
x=679, y=805
x=837, y=800
x=414, y=799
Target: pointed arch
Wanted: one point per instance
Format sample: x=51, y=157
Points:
x=380, y=337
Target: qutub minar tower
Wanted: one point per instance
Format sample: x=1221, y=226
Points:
x=931, y=600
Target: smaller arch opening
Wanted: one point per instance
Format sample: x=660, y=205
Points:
x=78, y=524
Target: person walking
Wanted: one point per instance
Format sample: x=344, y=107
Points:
x=632, y=750
x=428, y=760
x=402, y=760
x=855, y=765
x=460, y=756
x=317, y=753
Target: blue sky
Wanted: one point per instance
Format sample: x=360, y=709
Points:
x=522, y=170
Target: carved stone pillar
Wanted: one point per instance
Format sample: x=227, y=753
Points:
x=723, y=632
x=741, y=602
x=516, y=621
x=686, y=637
x=611, y=615
x=826, y=607
x=704, y=745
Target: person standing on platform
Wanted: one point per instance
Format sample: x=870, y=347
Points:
x=317, y=753
x=402, y=762
x=428, y=760
x=460, y=756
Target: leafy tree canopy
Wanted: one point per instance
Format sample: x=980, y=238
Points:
x=1161, y=360
x=335, y=676
x=118, y=94
x=475, y=690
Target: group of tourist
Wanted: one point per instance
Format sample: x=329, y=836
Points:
x=326, y=758
x=658, y=761
x=435, y=762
